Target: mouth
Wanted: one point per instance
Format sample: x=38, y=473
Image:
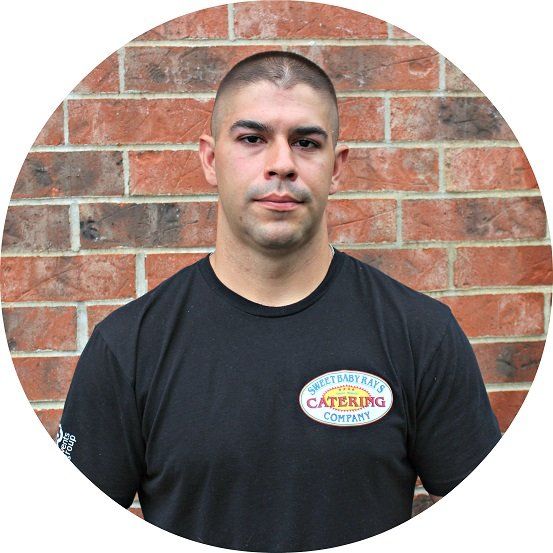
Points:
x=279, y=203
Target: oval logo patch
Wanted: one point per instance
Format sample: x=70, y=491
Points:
x=346, y=398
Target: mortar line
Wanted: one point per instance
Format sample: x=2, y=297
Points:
x=506, y=339
x=387, y=120
x=441, y=170
x=508, y=387
x=441, y=73
x=490, y=291
x=74, y=226
x=546, y=311
x=390, y=30
x=451, y=258
x=126, y=173
x=140, y=275
x=65, y=121
x=44, y=353
x=82, y=326
x=51, y=303
x=129, y=250
x=366, y=144
x=121, y=69
x=183, y=95
x=195, y=43
x=230, y=21
x=44, y=405
x=353, y=195
x=399, y=221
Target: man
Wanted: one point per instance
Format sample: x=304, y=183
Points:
x=277, y=395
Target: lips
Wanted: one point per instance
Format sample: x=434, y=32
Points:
x=275, y=202
x=278, y=199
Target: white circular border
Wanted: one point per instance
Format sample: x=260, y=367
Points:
x=50, y=49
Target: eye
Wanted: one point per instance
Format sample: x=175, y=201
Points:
x=306, y=144
x=250, y=139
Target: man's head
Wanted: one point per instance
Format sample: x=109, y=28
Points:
x=273, y=153
x=284, y=70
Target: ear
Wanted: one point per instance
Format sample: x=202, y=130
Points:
x=207, y=158
x=340, y=156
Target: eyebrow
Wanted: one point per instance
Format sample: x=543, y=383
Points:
x=252, y=125
x=262, y=127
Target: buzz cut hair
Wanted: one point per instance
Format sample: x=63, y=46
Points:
x=283, y=69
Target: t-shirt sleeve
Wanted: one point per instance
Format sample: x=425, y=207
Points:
x=100, y=429
x=455, y=425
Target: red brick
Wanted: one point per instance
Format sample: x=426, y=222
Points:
x=456, y=80
x=376, y=67
x=488, y=169
x=45, y=378
x=420, y=269
x=361, y=118
x=136, y=511
x=421, y=502
x=97, y=313
x=160, y=267
x=182, y=68
x=167, y=172
x=361, y=221
x=474, y=219
x=138, y=121
x=454, y=118
x=202, y=24
x=52, y=132
x=103, y=78
x=509, y=361
x=506, y=405
x=303, y=20
x=50, y=419
x=61, y=174
x=40, y=328
x=413, y=169
x=503, y=266
x=498, y=314
x=79, y=278
x=148, y=225
x=36, y=228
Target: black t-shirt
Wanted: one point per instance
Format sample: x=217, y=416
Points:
x=277, y=428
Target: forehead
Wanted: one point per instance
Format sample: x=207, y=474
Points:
x=268, y=103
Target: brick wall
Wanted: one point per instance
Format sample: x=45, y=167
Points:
x=438, y=193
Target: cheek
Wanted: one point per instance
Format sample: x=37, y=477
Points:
x=318, y=176
x=236, y=170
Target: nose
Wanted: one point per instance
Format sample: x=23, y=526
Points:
x=280, y=161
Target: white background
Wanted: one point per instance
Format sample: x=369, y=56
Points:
x=48, y=47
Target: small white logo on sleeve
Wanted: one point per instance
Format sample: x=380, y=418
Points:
x=346, y=398
x=65, y=441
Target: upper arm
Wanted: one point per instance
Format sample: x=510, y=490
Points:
x=102, y=425
x=455, y=426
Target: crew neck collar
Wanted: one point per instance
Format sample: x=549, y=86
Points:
x=260, y=310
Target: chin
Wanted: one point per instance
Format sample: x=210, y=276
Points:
x=277, y=241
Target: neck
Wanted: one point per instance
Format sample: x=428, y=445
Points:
x=269, y=279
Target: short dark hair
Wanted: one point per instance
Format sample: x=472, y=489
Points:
x=285, y=70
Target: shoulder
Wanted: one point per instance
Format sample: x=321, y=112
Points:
x=401, y=314
x=124, y=325
x=394, y=296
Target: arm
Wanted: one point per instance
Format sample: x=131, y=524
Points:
x=100, y=429
x=455, y=426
